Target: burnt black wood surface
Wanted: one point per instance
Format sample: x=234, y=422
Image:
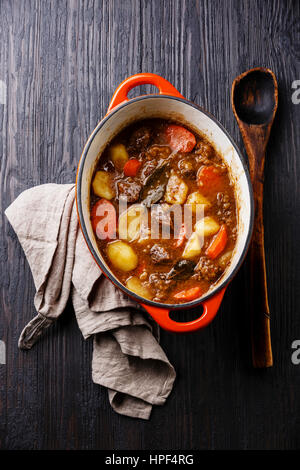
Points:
x=61, y=61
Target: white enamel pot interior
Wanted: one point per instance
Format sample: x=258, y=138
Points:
x=187, y=113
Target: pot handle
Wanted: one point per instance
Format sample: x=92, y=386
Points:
x=210, y=310
x=120, y=95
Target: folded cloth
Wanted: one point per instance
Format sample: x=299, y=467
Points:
x=127, y=357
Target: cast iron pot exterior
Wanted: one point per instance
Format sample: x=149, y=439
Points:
x=168, y=104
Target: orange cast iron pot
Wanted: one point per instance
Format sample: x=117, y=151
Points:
x=168, y=104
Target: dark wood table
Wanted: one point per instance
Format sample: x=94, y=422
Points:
x=60, y=64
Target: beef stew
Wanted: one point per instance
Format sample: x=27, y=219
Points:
x=163, y=211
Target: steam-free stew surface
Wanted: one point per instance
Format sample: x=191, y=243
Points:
x=155, y=167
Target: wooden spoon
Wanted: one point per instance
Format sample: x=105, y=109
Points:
x=254, y=99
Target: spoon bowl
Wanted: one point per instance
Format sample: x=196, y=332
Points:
x=255, y=96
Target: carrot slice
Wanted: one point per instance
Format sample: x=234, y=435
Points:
x=104, y=219
x=218, y=243
x=180, y=139
x=181, y=237
x=209, y=179
x=189, y=294
x=131, y=167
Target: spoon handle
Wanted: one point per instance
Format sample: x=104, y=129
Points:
x=255, y=140
x=260, y=312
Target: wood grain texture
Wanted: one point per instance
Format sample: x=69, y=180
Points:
x=61, y=61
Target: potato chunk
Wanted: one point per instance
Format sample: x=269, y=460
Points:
x=223, y=260
x=122, y=256
x=203, y=228
x=102, y=185
x=176, y=190
x=197, y=198
x=207, y=226
x=135, y=285
x=130, y=222
x=118, y=155
x=193, y=247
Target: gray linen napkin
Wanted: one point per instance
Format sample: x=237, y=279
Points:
x=127, y=358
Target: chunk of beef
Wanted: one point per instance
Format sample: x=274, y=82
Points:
x=160, y=285
x=159, y=254
x=129, y=190
x=187, y=168
x=139, y=139
x=207, y=270
x=158, y=152
x=204, y=149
